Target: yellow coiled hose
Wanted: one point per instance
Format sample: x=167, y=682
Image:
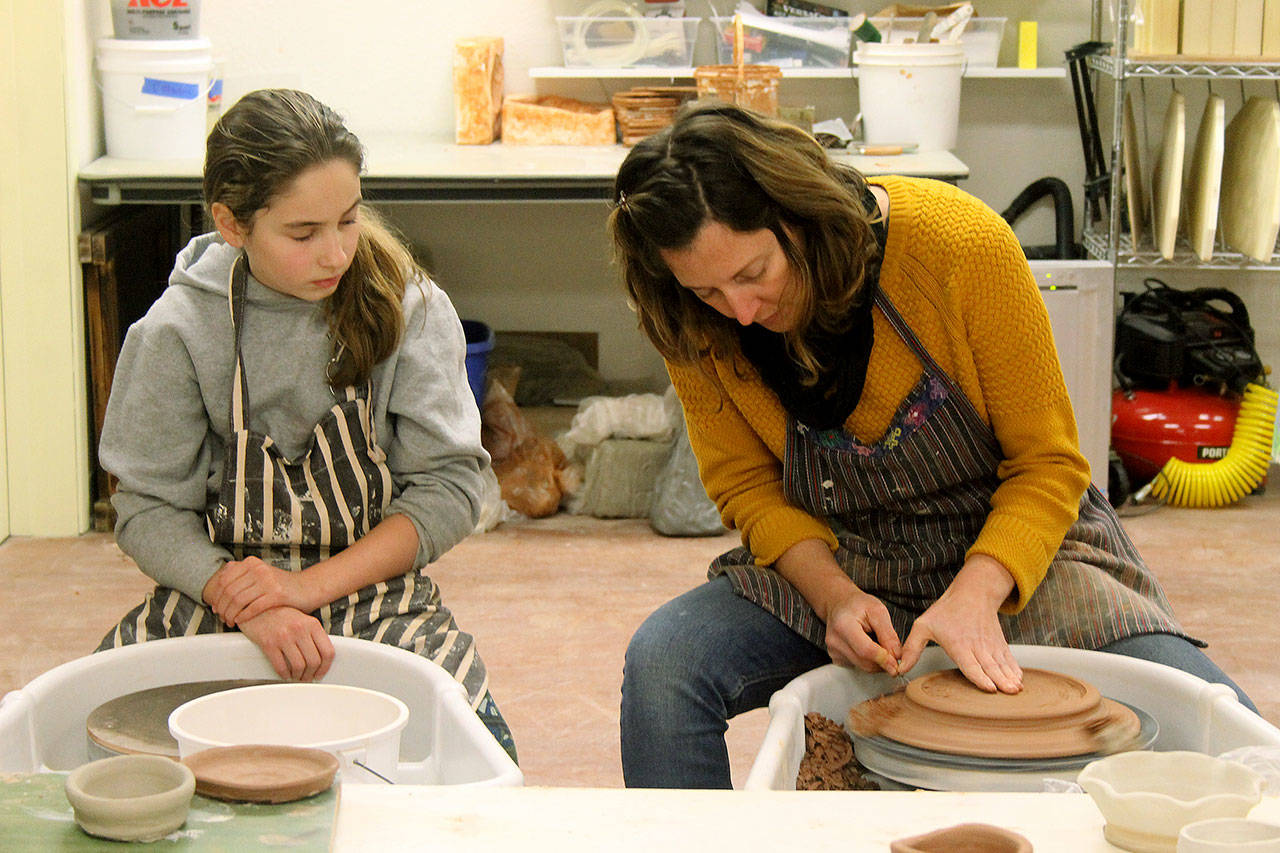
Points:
x=1226, y=480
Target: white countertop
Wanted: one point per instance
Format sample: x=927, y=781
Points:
x=413, y=167
x=461, y=819
x=411, y=156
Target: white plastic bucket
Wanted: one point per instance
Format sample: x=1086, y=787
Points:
x=353, y=723
x=910, y=93
x=155, y=96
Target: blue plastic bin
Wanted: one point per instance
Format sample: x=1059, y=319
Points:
x=479, y=343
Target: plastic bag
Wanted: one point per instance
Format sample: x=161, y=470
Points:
x=493, y=509
x=526, y=464
x=680, y=504
x=502, y=426
x=632, y=416
x=528, y=477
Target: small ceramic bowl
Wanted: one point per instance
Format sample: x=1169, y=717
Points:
x=1147, y=797
x=131, y=797
x=1229, y=835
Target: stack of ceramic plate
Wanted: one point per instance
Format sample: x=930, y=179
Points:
x=943, y=733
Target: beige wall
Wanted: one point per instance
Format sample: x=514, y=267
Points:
x=41, y=315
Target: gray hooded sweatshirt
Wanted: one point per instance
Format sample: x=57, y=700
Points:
x=169, y=415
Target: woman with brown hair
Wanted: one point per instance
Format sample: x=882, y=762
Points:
x=871, y=388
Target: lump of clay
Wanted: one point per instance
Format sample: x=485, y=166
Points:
x=828, y=763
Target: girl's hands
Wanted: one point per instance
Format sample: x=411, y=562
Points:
x=243, y=589
x=964, y=622
x=268, y=605
x=860, y=633
x=294, y=642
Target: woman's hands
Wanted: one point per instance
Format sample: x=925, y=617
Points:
x=860, y=634
x=244, y=589
x=964, y=622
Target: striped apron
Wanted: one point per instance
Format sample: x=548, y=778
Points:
x=906, y=510
x=295, y=513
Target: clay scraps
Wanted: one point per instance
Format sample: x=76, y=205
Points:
x=828, y=763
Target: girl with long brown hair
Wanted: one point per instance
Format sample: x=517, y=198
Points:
x=290, y=423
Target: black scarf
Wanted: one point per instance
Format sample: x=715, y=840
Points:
x=842, y=356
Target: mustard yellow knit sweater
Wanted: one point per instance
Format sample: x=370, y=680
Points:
x=954, y=270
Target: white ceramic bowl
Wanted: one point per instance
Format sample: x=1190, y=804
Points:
x=1147, y=797
x=1229, y=835
x=131, y=797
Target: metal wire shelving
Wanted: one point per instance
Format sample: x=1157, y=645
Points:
x=1104, y=236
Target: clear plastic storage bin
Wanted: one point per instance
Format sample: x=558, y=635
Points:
x=791, y=42
x=42, y=725
x=627, y=42
x=981, y=38
x=1191, y=713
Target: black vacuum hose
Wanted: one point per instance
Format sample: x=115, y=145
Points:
x=1063, y=211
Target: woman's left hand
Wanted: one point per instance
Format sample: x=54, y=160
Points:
x=964, y=621
x=243, y=589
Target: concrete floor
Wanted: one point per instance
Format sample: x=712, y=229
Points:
x=553, y=603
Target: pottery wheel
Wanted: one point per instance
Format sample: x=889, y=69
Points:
x=139, y=722
x=1054, y=716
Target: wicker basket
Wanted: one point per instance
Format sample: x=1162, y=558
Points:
x=646, y=110
x=752, y=86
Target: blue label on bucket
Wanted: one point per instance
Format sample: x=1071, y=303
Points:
x=170, y=89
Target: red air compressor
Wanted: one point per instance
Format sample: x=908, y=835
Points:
x=1183, y=359
x=1150, y=427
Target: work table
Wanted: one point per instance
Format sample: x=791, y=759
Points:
x=35, y=815
x=464, y=819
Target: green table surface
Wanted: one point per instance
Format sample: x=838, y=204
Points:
x=35, y=815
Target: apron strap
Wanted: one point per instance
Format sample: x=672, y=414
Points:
x=236, y=296
x=904, y=331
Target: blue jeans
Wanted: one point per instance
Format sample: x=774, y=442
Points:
x=709, y=655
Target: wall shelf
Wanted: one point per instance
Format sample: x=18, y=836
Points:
x=410, y=168
x=557, y=72
x=1148, y=257
x=1184, y=66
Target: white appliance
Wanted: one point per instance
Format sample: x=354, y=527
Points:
x=1080, y=296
